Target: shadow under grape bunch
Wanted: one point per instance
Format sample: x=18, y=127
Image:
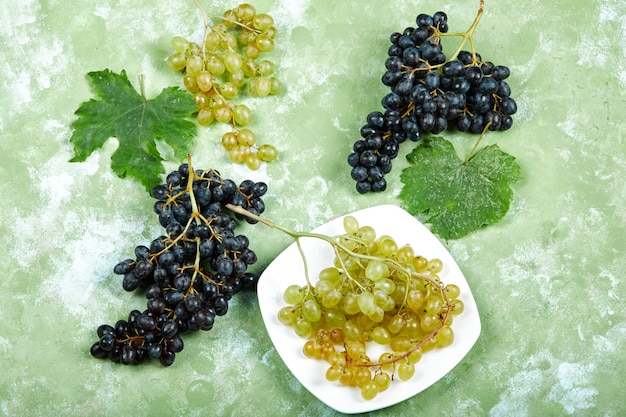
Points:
x=188, y=274
x=430, y=92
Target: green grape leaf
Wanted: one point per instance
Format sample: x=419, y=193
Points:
x=136, y=122
x=456, y=197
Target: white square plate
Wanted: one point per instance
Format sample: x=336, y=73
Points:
x=288, y=269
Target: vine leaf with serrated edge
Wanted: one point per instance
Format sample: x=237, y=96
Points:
x=136, y=122
x=458, y=197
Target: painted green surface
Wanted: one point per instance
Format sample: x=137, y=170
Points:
x=548, y=279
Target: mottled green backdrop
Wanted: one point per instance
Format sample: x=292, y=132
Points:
x=548, y=279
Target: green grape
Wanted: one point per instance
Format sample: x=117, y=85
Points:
x=429, y=323
x=415, y=300
x=351, y=330
x=251, y=51
x=177, y=61
x=406, y=371
x=237, y=78
x=246, y=137
x=293, y=294
x=242, y=114
x=381, y=335
x=190, y=84
x=249, y=67
x=434, y=266
x=334, y=317
x=377, y=315
x=194, y=65
x=415, y=356
x=229, y=140
x=232, y=62
x=205, y=116
x=228, y=90
x=267, y=153
x=286, y=316
x=180, y=44
x=331, y=275
x=302, y=327
x=337, y=359
x=350, y=225
x=346, y=376
x=387, y=247
x=276, y=87
x=355, y=349
x=266, y=68
x=262, y=21
x=376, y=270
x=350, y=304
x=396, y=323
x=333, y=373
x=367, y=303
x=445, y=336
x=420, y=263
x=229, y=42
x=245, y=12
x=212, y=41
x=332, y=298
x=223, y=113
x=382, y=381
x=253, y=162
x=405, y=255
x=433, y=305
x=215, y=65
x=201, y=99
x=362, y=376
x=237, y=154
x=312, y=349
x=367, y=234
x=263, y=86
x=311, y=311
x=452, y=291
x=400, y=344
x=457, y=306
x=247, y=37
x=204, y=80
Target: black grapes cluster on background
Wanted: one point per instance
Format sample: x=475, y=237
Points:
x=190, y=273
x=429, y=94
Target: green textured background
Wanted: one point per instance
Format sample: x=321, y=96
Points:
x=548, y=279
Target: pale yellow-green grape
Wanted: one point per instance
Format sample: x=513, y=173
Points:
x=267, y=153
x=287, y=316
x=367, y=234
x=396, y=323
x=264, y=43
x=215, y=65
x=387, y=247
x=331, y=275
x=246, y=137
x=400, y=344
x=347, y=376
x=229, y=42
x=190, y=84
x=249, y=67
x=245, y=12
x=452, y=291
x=253, y=162
x=238, y=78
x=262, y=21
x=212, y=41
x=204, y=80
x=334, y=317
x=405, y=255
x=351, y=330
x=382, y=381
x=276, y=87
x=457, y=306
x=205, y=116
x=415, y=300
x=376, y=270
x=355, y=349
x=247, y=37
x=362, y=376
x=337, y=359
x=367, y=303
x=266, y=68
x=302, y=327
x=415, y=356
x=230, y=17
x=312, y=349
x=445, y=336
x=381, y=335
x=201, y=99
x=428, y=323
x=263, y=86
x=420, y=263
x=223, y=113
x=369, y=390
x=194, y=65
x=334, y=372
x=229, y=141
x=311, y=311
x=406, y=371
x=350, y=225
x=434, y=266
x=293, y=294
x=228, y=90
x=237, y=154
x=433, y=305
x=242, y=114
x=180, y=44
x=232, y=62
x=177, y=61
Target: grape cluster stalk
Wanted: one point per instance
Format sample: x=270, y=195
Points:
x=229, y=60
x=375, y=291
x=188, y=274
x=430, y=93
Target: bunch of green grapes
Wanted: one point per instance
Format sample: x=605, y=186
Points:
x=376, y=291
x=229, y=61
